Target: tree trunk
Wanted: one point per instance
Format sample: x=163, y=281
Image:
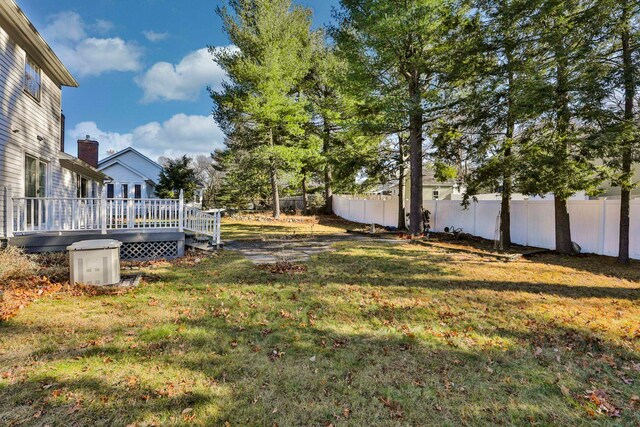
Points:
x=328, y=191
x=563, y=120
x=563, y=227
x=507, y=180
x=415, y=155
x=401, y=176
x=629, y=96
x=273, y=175
x=305, y=208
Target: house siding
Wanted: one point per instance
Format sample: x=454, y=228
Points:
x=143, y=167
x=19, y=111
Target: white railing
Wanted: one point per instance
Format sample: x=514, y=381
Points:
x=203, y=223
x=27, y=215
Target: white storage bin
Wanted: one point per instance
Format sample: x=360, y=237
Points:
x=95, y=262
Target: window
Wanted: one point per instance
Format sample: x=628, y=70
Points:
x=82, y=186
x=35, y=177
x=110, y=189
x=125, y=191
x=137, y=191
x=435, y=194
x=35, y=185
x=32, y=79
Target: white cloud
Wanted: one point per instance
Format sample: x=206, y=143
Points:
x=181, y=134
x=85, y=55
x=102, y=26
x=153, y=36
x=183, y=81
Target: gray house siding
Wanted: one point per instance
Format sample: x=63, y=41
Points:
x=22, y=120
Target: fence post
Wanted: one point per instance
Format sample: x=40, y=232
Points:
x=475, y=210
x=364, y=211
x=218, y=216
x=384, y=206
x=103, y=211
x=526, y=223
x=603, y=226
x=435, y=216
x=9, y=208
x=181, y=212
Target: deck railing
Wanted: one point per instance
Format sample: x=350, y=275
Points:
x=26, y=215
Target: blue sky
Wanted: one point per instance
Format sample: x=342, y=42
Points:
x=143, y=69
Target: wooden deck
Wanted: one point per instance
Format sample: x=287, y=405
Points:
x=58, y=241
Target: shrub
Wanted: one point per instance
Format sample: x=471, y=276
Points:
x=15, y=264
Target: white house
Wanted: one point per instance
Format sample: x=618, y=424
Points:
x=32, y=159
x=134, y=175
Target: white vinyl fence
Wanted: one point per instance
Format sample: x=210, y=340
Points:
x=381, y=210
x=594, y=223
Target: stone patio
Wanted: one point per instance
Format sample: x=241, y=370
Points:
x=294, y=250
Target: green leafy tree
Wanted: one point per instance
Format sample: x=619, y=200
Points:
x=177, y=174
x=262, y=96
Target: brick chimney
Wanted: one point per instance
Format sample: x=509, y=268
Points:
x=88, y=151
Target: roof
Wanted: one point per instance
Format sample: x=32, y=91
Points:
x=74, y=164
x=22, y=31
x=106, y=160
x=129, y=168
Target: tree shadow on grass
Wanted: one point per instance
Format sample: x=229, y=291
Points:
x=596, y=264
x=306, y=354
x=294, y=375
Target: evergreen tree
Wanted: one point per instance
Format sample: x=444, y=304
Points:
x=403, y=43
x=262, y=95
x=177, y=174
x=556, y=158
x=614, y=99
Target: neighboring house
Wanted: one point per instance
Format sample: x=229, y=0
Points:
x=32, y=159
x=134, y=175
x=432, y=189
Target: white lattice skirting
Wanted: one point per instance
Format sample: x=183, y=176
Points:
x=143, y=251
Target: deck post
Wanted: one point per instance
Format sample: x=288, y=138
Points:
x=103, y=211
x=9, y=208
x=181, y=211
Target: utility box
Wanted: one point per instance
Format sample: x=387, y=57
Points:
x=95, y=262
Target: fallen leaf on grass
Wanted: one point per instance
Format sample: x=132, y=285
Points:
x=283, y=267
x=74, y=408
x=394, y=407
x=600, y=399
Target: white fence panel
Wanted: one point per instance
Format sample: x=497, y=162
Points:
x=486, y=218
x=381, y=210
x=520, y=222
x=586, y=224
x=540, y=224
x=594, y=223
x=611, y=227
x=634, y=230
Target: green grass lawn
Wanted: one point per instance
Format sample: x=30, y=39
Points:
x=371, y=334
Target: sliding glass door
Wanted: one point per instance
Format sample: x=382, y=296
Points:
x=35, y=186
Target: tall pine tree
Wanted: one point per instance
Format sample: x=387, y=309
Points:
x=273, y=55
